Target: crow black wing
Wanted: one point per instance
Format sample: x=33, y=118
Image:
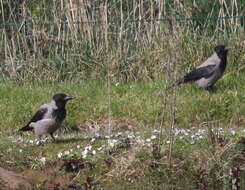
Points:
x=196, y=74
x=38, y=116
x=202, y=72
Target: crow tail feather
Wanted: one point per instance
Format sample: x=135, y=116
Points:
x=26, y=128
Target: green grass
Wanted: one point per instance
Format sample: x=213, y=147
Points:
x=138, y=100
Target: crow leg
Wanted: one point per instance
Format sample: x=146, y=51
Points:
x=51, y=134
x=211, y=89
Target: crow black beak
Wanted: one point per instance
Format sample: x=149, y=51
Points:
x=227, y=47
x=69, y=98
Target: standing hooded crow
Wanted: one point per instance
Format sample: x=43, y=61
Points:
x=211, y=70
x=49, y=116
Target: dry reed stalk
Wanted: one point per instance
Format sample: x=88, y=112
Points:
x=172, y=73
x=173, y=106
x=105, y=18
x=121, y=29
x=86, y=16
x=160, y=15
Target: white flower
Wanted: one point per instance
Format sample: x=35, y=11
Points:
x=43, y=160
x=97, y=135
x=200, y=137
x=84, y=153
x=181, y=137
x=140, y=141
x=153, y=137
x=119, y=134
x=100, y=148
x=167, y=142
x=155, y=131
x=131, y=136
x=220, y=129
x=192, y=142
x=78, y=146
x=67, y=152
x=93, y=139
x=88, y=148
x=31, y=141
x=20, y=150
x=148, y=140
x=112, y=142
x=93, y=152
x=117, y=84
x=176, y=132
x=59, y=154
x=233, y=132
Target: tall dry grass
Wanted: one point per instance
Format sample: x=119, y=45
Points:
x=122, y=33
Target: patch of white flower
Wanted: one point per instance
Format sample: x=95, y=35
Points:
x=84, y=153
x=112, y=142
x=191, y=136
x=87, y=150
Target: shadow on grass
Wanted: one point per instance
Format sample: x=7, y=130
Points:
x=70, y=140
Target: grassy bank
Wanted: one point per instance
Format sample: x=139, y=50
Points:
x=205, y=148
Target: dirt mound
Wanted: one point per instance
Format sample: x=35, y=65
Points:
x=13, y=181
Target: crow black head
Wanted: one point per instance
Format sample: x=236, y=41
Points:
x=61, y=99
x=221, y=50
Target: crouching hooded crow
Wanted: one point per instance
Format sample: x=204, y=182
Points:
x=211, y=70
x=49, y=116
